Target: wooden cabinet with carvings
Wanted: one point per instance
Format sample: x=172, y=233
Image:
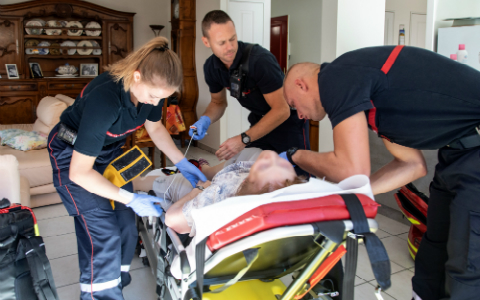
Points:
x=19, y=97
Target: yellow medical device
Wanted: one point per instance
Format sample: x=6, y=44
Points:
x=126, y=167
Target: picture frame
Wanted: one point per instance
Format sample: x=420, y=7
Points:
x=88, y=70
x=36, y=70
x=12, y=71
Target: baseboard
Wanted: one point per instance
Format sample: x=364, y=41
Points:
x=206, y=148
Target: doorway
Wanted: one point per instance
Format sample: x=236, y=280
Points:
x=279, y=40
x=418, y=26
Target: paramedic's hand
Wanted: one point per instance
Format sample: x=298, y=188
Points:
x=230, y=148
x=143, y=205
x=202, y=125
x=190, y=172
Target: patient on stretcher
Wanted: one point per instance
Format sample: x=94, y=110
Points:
x=235, y=177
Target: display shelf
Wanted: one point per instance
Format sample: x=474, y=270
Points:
x=61, y=37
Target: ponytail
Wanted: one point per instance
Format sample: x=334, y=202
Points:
x=157, y=64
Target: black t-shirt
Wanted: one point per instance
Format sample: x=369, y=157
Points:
x=105, y=114
x=425, y=101
x=264, y=76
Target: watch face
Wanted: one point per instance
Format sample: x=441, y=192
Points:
x=246, y=140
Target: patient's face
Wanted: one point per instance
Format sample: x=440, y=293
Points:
x=270, y=169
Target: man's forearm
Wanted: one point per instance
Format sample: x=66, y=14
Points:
x=328, y=165
x=394, y=175
x=215, y=111
x=267, y=123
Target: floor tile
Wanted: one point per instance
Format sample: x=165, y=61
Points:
x=65, y=270
x=359, y=281
x=401, y=285
x=390, y=226
x=382, y=234
x=367, y=292
x=364, y=268
x=137, y=263
x=403, y=236
x=61, y=245
x=69, y=292
x=50, y=211
x=143, y=283
x=56, y=226
x=397, y=250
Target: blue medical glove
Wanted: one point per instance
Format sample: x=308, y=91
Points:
x=202, y=125
x=190, y=172
x=284, y=156
x=143, y=205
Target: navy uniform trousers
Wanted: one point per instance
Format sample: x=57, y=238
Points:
x=106, y=238
x=447, y=265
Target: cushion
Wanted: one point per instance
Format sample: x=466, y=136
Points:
x=48, y=114
x=9, y=178
x=28, y=140
x=9, y=133
x=68, y=100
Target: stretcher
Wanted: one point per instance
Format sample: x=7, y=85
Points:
x=245, y=245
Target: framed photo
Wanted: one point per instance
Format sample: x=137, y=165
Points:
x=88, y=69
x=35, y=70
x=12, y=71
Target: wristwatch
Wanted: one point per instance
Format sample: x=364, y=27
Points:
x=200, y=187
x=246, y=139
x=290, y=153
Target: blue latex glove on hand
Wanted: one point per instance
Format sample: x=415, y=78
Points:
x=284, y=156
x=143, y=205
x=190, y=172
x=202, y=125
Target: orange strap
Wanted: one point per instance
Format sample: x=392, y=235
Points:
x=324, y=268
x=391, y=59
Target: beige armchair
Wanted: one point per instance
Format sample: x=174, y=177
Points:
x=34, y=165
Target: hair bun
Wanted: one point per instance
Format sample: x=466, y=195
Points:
x=162, y=48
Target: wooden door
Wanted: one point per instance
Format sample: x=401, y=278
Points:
x=10, y=44
x=418, y=28
x=119, y=41
x=279, y=40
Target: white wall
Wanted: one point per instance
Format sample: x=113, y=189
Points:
x=148, y=12
x=402, y=10
x=212, y=140
x=304, y=28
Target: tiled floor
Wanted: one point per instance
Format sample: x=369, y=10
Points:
x=57, y=229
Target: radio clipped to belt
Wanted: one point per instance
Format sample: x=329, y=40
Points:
x=126, y=167
x=239, y=76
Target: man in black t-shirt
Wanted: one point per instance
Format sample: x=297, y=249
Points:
x=273, y=125
x=413, y=99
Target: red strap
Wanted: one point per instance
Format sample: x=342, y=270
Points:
x=324, y=268
x=81, y=94
x=391, y=59
x=371, y=118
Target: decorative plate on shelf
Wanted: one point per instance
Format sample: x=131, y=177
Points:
x=34, y=31
x=43, y=51
x=55, y=49
x=66, y=75
x=55, y=23
x=30, y=46
x=93, y=24
x=74, y=32
x=69, y=44
x=81, y=48
x=96, y=51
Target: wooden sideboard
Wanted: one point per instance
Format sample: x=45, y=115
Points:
x=19, y=97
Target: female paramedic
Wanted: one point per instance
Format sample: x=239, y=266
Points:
x=89, y=137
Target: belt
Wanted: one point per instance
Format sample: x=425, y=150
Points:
x=467, y=142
